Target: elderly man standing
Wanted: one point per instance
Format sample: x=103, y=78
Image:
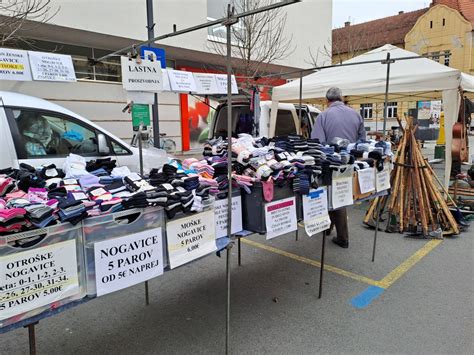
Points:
x=339, y=121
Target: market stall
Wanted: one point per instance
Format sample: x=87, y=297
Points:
x=364, y=79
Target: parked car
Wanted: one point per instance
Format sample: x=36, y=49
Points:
x=36, y=132
x=243, y=120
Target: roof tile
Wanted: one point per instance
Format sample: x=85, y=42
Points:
x=373, y=34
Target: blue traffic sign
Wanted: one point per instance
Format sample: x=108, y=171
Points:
x=157, y=53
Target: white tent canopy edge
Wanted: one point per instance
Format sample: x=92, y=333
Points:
x=418, y=79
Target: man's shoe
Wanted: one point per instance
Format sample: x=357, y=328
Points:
x=342, y=243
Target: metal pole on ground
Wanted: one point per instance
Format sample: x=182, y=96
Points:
x=140, y=156
x=32, y=337
x=154, y=108
x=299, y=124
x=388, y=61
x=228, y=23
x=321, y=270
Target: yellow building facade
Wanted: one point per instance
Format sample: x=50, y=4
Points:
x=443, y=30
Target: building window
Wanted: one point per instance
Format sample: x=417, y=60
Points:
x=366, y=111
x=431, y=24
x=444, y=21
x=447, y=57
x=392, y=108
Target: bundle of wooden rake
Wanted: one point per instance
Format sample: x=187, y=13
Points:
x=415, y=205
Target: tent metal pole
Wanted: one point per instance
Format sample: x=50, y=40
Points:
x=154, y=108
x=387, y=82
x=388, y=61
x=379, y=204
x=299, y=123
x=321, y=270
x=228, y=23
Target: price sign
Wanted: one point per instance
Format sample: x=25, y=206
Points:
x=341, y=188
x=366, y=179
x=190, y=238
x=382, y=179
x=280, y=217
x=220, y=209
x=51, y=67
x=205, y=83
x=14, y=65
x=315, y=211
x=181, y=81
x=127, y=261
x=38, y=277
x=221, y=80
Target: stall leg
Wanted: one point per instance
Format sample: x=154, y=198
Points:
x=238, y=251
x=297, y=231
x=227, y=313
x=32, y=337
x=147, y=295
x=323, y=248
x=376, y=229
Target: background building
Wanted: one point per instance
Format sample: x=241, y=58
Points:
x=444, y=30
x=90, y=29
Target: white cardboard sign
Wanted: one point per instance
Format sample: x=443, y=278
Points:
x=38, y=277
x=144, y=76
x=315, y=211
x=205, y=83
x=280, y=217
x=181, y=81
x=220, y=210
x=366, y=179
x=51, y=67
x=14, y=65
x=221, y=80
x=190, y=238
x=382, y=180
x=127, y=261
x=341, y=188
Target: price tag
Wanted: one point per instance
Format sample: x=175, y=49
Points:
x=190, y=238
x=382, y=179
x=341, y=187
x=366, y=179
x=127, y=261
x=220, y=209
x=280, y=217
x=315, y=211
x=38, y=277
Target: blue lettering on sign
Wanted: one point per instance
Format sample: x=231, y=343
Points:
x=157, y=53
x=315, y=194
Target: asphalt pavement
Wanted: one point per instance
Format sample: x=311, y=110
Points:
x=423, y=302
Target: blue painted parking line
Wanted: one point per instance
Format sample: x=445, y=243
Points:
x=365, y=298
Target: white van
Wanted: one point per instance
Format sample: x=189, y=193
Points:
x=37, y=132
x=287, y=121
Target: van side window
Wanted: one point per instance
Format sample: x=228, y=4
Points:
x=284, y=123
x=47, y=134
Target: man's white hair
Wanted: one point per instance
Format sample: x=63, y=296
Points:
x=334, y=94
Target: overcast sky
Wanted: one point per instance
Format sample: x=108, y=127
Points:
x=358, y=11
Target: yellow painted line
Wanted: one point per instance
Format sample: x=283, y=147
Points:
x=304, y=260
x=401, y=269
x=385, y=283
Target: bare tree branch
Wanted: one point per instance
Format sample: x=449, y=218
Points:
x=258, y=39
x=15, y=14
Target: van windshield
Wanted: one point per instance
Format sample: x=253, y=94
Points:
x=242, y=121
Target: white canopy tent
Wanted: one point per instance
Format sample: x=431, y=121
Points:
x=410, y=80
